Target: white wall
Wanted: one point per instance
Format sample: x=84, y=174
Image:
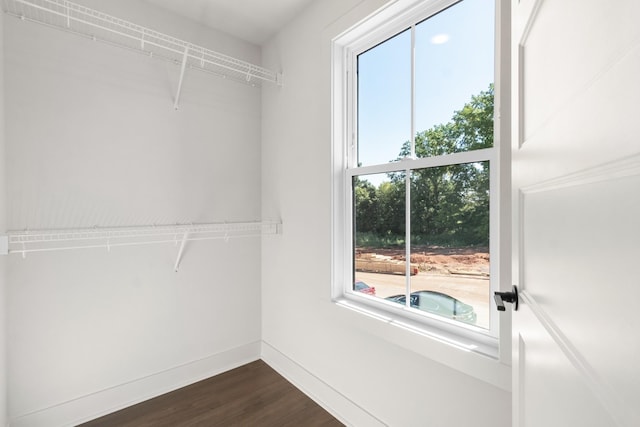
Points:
x=342, y=355
x=3, y=223
x=92, y=139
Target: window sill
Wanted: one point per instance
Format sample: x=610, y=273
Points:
x=474, y=357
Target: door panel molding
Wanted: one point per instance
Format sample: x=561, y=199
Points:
x=526, y=12
x=621, y=168
x=597, y=58
x=615, y=173
x=609, y=399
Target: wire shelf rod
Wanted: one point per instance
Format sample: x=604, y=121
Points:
x=119, y=244
x=22, y=242
x=199, y=57
x=142, y=31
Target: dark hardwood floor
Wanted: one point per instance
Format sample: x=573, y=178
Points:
x=251, y=395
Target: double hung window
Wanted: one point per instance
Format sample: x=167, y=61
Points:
x=418, y=159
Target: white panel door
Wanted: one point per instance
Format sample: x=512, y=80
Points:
x=576, y=181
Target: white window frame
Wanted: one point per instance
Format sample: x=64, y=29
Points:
x=378, y=28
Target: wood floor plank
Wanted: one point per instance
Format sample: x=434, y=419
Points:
x=251, y=395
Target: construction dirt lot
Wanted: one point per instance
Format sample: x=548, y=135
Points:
x=462, y=273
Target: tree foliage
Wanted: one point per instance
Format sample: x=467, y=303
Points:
x=449, y=204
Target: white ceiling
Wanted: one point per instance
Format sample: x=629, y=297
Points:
x=252, y=20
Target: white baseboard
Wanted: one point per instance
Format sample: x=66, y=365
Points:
x=113, y=399
x=338, y=405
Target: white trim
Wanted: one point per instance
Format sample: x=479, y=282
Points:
x=99, y=403
x=340, y=406
x=339, y=132
x=455, y=351
x=388, y=22
x=463, y=337
x=413, y=94
x=385, y=23
x=345, y=49
x=502, y=141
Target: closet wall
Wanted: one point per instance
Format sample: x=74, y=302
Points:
x=92, y=139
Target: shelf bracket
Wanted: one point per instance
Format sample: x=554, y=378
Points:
x=182, y=69
x=181, y=250
x=66, y=7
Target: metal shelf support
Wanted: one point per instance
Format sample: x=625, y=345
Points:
x=180, y=251
x=182, y=68
x=95, y=25
x=25, y=241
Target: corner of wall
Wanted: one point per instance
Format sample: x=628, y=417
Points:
x=338, y=405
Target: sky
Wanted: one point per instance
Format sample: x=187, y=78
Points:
x=454, y=60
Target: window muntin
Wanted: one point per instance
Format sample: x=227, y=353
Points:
x=391, y=138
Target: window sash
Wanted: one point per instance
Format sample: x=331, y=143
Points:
x=407, y=164
x=488, y=154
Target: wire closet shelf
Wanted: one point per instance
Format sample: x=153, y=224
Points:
x=26, y=241
x=83, y=21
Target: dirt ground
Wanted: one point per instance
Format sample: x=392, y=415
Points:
x=439, y=260
x=462, y=273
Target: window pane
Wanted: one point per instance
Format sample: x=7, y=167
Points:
x=448, y=249
x=379, y=235
x=454, y=79
x=450, y=241
x=384, y=100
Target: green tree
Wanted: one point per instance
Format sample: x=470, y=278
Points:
x=450, y=204
x=474, y=123
x=366, y=205
x=391, y=218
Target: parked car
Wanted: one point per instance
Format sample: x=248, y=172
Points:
x=440, y=304
x=360, y=286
